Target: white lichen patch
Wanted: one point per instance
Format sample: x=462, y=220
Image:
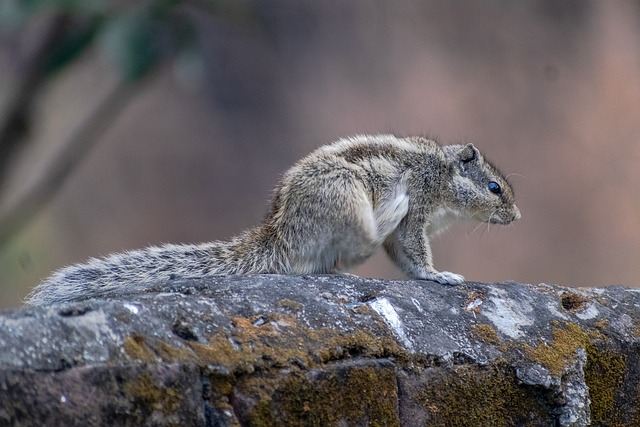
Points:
x=624, y=325
x=552, y=306
x=418, y=306
x=589, y=312
x=383, y=307
x=473, y=304
x=507, y=315
x=132, y=308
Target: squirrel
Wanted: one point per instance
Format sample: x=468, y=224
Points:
x=330, y=211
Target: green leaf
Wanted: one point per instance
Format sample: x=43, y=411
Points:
x=134, y=42
x=81, y=6
x=14, y=13
x=72, y=45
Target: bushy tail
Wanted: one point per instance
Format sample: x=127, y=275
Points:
x=134, y=271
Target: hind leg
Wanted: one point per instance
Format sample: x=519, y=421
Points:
x=391, y=211
x=341, y=226
x=371, y=227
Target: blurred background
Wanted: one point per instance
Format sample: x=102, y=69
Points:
x=125, y=124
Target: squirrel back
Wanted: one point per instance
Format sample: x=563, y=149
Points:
x=332, y=210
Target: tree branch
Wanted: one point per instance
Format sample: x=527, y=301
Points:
x=15, y=123
x=15, y=217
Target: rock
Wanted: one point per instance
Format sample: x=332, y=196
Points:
x=325, y=350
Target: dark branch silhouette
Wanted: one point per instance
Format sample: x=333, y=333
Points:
x=88, y=133
x=15, y=124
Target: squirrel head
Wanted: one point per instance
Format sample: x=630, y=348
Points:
x=479, y=189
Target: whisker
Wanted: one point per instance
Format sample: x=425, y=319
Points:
x=476, y=227
x=515, y=174
x=489, y=220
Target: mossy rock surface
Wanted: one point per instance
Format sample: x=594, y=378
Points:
x=326, y=351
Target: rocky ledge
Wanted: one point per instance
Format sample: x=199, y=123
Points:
x=325, y=350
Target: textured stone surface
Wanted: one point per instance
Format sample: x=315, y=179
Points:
x=326, y=350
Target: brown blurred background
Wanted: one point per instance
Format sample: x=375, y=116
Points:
x=190, y=148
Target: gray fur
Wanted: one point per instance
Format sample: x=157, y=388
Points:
x=330, y=211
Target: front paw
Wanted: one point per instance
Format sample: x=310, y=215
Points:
x=445, y=278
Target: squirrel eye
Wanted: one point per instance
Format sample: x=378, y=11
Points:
x=494, y=187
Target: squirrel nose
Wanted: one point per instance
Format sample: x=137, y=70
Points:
x=516, y=213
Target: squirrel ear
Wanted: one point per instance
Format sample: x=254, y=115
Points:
x=468, y=153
